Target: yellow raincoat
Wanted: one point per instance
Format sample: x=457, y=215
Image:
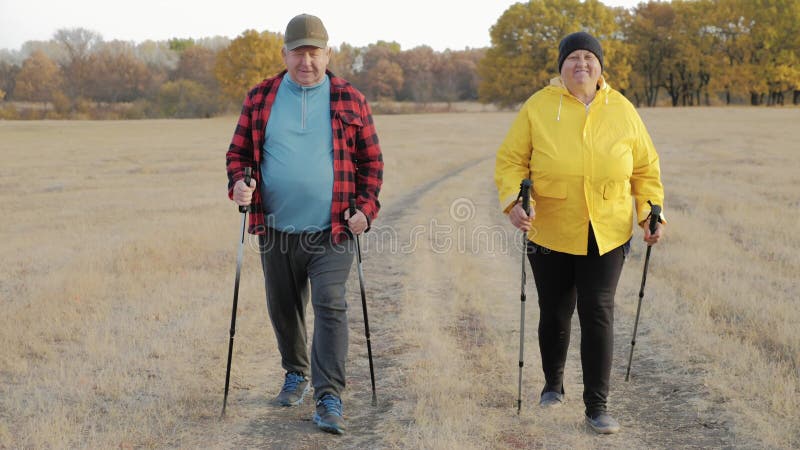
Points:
x=585, y=162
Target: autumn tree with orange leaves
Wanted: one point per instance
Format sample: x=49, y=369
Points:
x=250, y=58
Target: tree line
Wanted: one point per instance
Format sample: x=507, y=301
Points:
x=686, y=52
x=78, y=75
x=682, y=53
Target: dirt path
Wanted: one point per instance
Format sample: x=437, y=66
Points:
x=254, y=421
x=663, y=406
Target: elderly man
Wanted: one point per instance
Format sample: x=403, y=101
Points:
x=309, y=137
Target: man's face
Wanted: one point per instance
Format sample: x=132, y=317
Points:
x=581, y=68
x=306, y=64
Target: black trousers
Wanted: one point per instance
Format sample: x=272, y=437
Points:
x=590, y=282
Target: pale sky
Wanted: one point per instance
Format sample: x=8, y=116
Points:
x=440, y=24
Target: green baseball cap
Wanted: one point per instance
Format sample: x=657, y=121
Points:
x=305, y=29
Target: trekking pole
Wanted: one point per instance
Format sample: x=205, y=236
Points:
x=364, y=305
x=243, y=210
x=524, y=192
x=655, y=212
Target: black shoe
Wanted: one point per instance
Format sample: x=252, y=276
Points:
x=328, y=415
x=551, y=397
x=294, y=388
x=603, y=423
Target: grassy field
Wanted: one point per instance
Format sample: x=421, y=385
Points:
x=117, y=264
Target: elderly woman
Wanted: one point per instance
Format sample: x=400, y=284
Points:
x=587, y=151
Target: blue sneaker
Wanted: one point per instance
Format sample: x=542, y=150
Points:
x=328, y=415
x=295, y=386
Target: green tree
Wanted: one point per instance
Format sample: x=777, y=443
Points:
x=180, y=45
x=249, y=59
x=38, y=80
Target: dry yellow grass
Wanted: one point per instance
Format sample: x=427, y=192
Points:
x=118, y=256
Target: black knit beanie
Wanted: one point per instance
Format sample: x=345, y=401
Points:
x=579, y=41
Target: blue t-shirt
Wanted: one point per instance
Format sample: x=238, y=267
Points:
x=297, y=159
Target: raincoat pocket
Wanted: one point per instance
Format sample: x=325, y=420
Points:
x=616, y=189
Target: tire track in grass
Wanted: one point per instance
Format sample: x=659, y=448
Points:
x=254, y=421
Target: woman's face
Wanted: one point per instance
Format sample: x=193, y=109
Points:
x=581, y=70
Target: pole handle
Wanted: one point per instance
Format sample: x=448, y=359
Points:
x=248, y=172
x=352, y=209
x=525, y=193
x=655, y=214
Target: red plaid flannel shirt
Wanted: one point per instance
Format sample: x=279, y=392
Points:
x=357, y=158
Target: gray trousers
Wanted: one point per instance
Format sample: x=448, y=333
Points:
x=292, y=261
